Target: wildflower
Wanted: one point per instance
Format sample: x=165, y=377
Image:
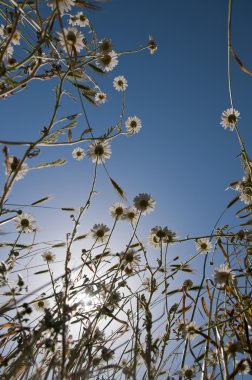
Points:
x=133, y=125
x=48, y=256
x=100, y=232
x=120, y=83
x=107, y=354
x=99, y=151
x=232, y=347
x=11, y=166
x=150, y=284
x=73, y=39
x=117, y=210
x=98, y=335
x=107, y=61
x=78, y=154
x=100, y=97
x=203, y=245
x=187, y=284
x=16, y=37
x=81, y=19
x=72, y=20
x=41, y=304
x=244, y=366
x=130, y=214
x=129, y=260
x=152, y=46
x=105, y=46
x=64, y=5
x=229, y=118
x=113, y=299
x=187, y=372
x=213, y=356
x=7, y=52
x=144, y=203
x=159, y=235
x=190, y=330
x=223, y=274
x=25, y=223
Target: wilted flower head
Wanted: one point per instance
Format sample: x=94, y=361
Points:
x=78, y=154
x=48, y=256
x=131, y=214
x=73, y=40
x=108, y=61
x=187, y=284
x=144, y=203
x=100, y=97
x=105, y=46
x=229, y=118
x=120, y=83
x=11, y=165
x=99, y=151
x=203, y=245
x=152, y=46
x=117, y=210
x=100, y=232
x=223, y=275
x=159, y=236
x=133, y=125
x=25, y=223
x=64, y=5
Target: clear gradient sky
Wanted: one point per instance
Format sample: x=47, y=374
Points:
x=182, y=156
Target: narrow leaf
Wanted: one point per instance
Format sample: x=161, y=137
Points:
x=117, y=188
x=58, y=162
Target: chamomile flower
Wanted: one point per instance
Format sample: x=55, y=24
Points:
x=159, y=236
x=78, y=154
x=203, y=245
x=120, y=83
x=82, y=20
x=133, y=125
x=73, y=39
x=131, y=214
x=144, y=203
x=188, y=372
x=232, y=348
x=100, y=232
x=108, y=61
x=229, y=118
x=25, y=223
x=223, y=275
x=105, y=46
x=72, y=20
x=99, y=151
x=190, y=330
x=48, y=256
x=11, y=166
x=64, y=5
x=41, y=304
x=100, y=97
x=130, y=260
x=117, y=210
x=244, y=366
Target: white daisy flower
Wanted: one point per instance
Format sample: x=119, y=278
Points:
x=130, y=260
x=120, y=83
x=189, y=331
x=152, y=46
x=16, y=38
x=48, y=256
x=25, y=223
x=105, y=46
x=100, y=97
x=243, y=366
x=159, y=236
x=74, y=38
x=229, y=118
x=144, y=203
x=99, y=152
x=82, y=20
x=232, y=348
x=131, y=214
x=8, y=53
x=203, y=245
x=64, y=5
x=11, y=166
x=72, y=20
x=78, y=154
x=223, y=275
x=117, y=210
x=100, y=232
x=108, y=61
x=41, y=304
x=133, y=125
x=188, y=372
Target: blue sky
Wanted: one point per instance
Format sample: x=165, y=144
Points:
x=182, y=156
